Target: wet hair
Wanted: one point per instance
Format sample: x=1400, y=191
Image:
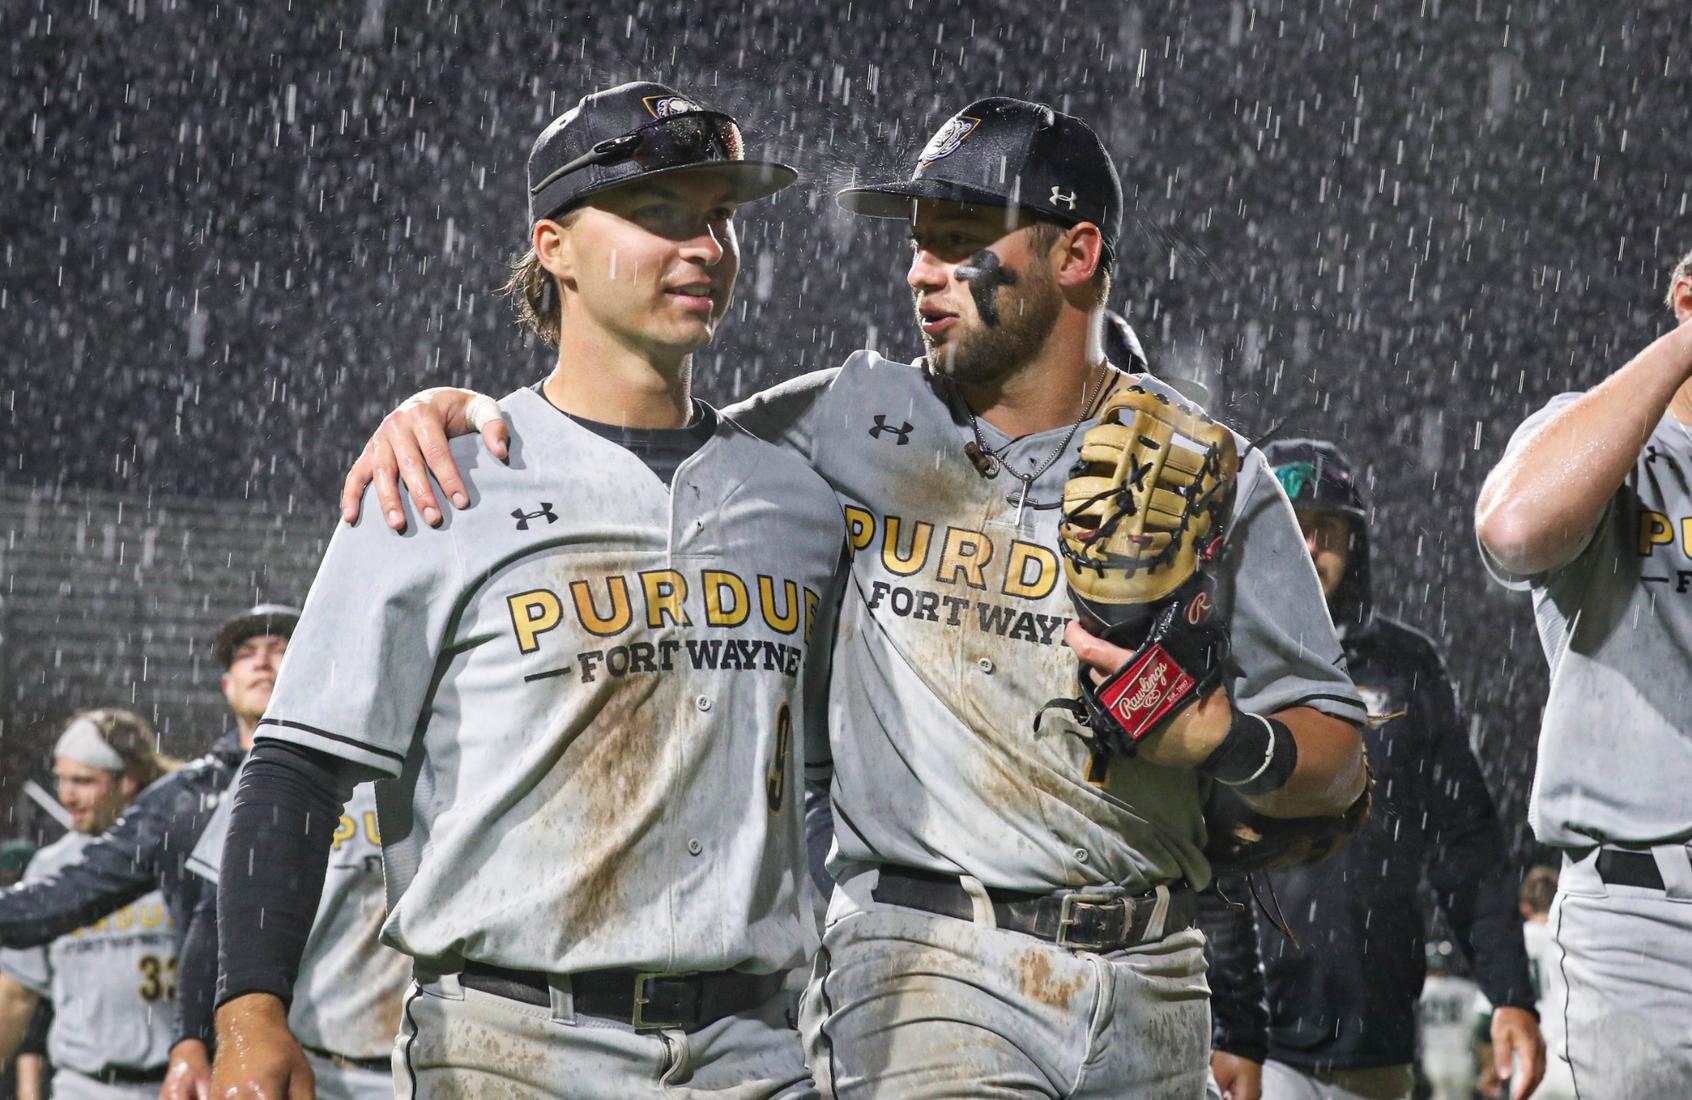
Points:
x=131, y=737
x=533, y=291
x=1682, y=270
x=1539, y=888
x=1045, y=233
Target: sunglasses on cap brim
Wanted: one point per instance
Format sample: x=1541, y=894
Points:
x=675, y=141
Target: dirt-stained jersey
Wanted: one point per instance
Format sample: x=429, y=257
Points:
x=951, y=639
x=589, y=688
x=112, y=983
x=350, y=987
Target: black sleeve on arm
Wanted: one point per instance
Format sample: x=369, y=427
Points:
x=1469, y=866
x=274, y=859
x=1238, y=1004
x=111, y=872
x=196, y=972
x=34, y=1039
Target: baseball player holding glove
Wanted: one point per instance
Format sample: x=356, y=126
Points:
x=589, y=692
x=1014, y=905
x=113, y=982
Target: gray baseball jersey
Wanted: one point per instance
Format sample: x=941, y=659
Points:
x=951, y=639
x=1616, y=627
x=350, y=987
x=112, y=983
x=589, y=687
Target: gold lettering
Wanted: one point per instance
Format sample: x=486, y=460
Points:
x=665, y=589
x=966, y=554
x=860, y=528
x=1044, y=564
x=787, y=620
x=1654, y=530
x=717, y=582
x=903, y=566
x=370, y=832
x=618, y=617
x=345, y=830
x=539, y=610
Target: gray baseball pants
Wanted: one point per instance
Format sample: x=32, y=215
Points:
x=464, y=1044
x=906, y=1005
x=1626, y=954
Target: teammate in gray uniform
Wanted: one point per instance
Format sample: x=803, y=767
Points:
x=113, y=982
x=351, y=986
x=595, y=717
x=1590, y=509
x=966, y=842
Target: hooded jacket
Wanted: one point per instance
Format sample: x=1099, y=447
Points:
x=1345, y=994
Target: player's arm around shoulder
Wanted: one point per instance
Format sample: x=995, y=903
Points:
x=411, y=444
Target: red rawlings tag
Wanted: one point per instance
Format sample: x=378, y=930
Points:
x=1146, y=691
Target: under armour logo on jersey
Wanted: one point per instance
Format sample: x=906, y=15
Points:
x=1058, y=196
x=523, y=517
x=903, y=431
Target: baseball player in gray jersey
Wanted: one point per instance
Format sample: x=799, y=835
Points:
x=113, y=982
x=350, y=987
x=595, y=717
x=1013, y=913
x=1590, y=509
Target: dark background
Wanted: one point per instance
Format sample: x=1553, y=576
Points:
x=235, y=233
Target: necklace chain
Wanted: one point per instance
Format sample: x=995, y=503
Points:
x=1088, y=397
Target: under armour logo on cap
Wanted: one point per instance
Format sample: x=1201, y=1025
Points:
x=523, y=517
x=1058, y=196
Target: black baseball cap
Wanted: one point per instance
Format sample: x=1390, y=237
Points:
x=1316, y=474
x=1008, y=152
x=266, y=618
x=635, y=131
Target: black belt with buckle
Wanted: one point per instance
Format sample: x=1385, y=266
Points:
x=1079, y=919
x=1618, y=868
x=640, y=998
x=130, y=1075
x=345, y=1061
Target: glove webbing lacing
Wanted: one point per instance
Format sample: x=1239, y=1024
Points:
x=1127, y=510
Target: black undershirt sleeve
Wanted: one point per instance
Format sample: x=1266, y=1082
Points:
x=274, y=859
x=196, y=972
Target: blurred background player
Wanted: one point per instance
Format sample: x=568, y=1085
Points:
x=147, y=848
x=1342, y=999
x=1590, y=509
x=1446, y=1013
x=351, y=986
x=112, y=983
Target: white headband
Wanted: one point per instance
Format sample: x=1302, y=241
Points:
x=83, y=743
